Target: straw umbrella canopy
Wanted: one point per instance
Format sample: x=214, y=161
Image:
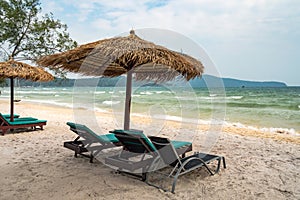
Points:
x=13, y=69
x=125, y=55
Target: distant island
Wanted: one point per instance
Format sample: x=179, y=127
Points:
x=206, y=80
x=214, y=81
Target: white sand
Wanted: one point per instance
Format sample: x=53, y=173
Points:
x=35, y=165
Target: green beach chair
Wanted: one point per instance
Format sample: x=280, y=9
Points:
x=20, y=123
x=91, y=144
x=139, y=152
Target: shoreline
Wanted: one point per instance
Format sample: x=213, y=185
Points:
x=278, y=134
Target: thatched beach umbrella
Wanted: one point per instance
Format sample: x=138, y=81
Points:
x=13, y=69
x=125, y=55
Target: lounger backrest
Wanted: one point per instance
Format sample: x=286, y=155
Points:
x=165, y=149
x=84, y=132
x=134, y=141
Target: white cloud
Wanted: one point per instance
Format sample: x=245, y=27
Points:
x=248, y=26
x=216, y=18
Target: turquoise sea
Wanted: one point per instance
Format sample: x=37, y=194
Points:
x=264, y=108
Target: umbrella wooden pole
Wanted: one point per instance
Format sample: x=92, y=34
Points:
x=128, y=100
x=11, y=99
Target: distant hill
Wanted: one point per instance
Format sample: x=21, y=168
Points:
x=214, y=81
x=206, y=80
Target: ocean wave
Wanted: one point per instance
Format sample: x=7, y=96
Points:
x=234, y=97
x=31, y=92
x=62, y=104
x=163, y=92
x=110, y=102
x=67, y=105
x=248, y=105
x=38, y=92
x=146, y=93
x=211, y=98
x=286, y=131
x=189, y=120
x=215, y=97
x=100, y=110
x=99, y=92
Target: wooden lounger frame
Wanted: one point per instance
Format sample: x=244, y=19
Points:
x=5, y=125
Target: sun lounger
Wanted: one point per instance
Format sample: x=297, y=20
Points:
x=139, y=152
x=27, y=122
x=91, y=143
x=180, y=166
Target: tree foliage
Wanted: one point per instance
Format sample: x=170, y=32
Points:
x=25, y=34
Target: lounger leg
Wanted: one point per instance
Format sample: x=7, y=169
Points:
x=224, y=164
x=144, y=176
x=219, y=165
x=175, y=181
x=91, y=158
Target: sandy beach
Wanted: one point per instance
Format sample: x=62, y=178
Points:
x=35, y=165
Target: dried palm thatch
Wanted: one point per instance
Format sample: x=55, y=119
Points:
x=14, y=69
x=116, y=56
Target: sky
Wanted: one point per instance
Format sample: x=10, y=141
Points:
x=245, y=39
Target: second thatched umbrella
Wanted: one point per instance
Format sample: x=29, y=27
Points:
x=125, y=55
x=13, y=69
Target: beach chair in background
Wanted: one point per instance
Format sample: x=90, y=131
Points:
x=139, y=153
x=20, y=123
x=179, y=166
x=88, y=143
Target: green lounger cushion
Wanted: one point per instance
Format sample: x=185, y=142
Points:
x=179, y=144
x=24, y=119
x=26, y=122
x=140, y=133
x=176, y=144
x=104, y=138
x=108, y=138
